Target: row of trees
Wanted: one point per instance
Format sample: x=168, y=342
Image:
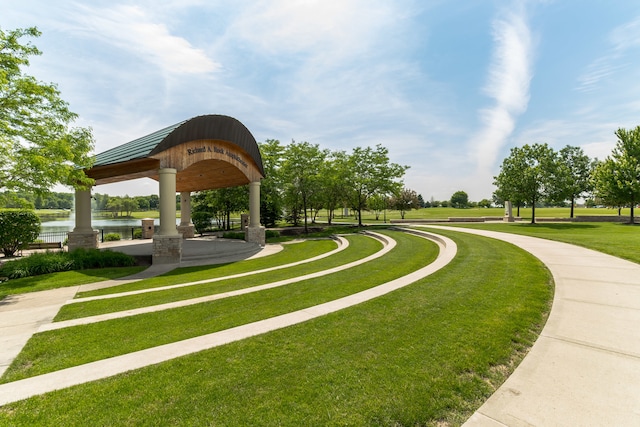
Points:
x=124, y=205
x=301, y=179
x=533, y=174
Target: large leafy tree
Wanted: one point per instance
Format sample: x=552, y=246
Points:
x=371, y=173
x=301, y=169
x=617, y=178
x=334, y=174
x=219, y=204
x=527, y=175
x=405, y=200
x=572, y=175
x=38, y=146
x=460, y=200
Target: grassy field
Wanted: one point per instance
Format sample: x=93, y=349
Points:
x=63, y=279
x=621, y=240
x=428, y=354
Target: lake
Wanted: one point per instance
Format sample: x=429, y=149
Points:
x=56, y=231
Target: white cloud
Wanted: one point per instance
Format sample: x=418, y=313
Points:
x=509, y=76
x=333, y=28
x=131, y=28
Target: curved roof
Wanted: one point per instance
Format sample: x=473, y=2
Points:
x=213, y=126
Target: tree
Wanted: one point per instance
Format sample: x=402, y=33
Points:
x=18, y=228
x=573, y=175
x=617, y=179
x=334, y=176
x=371, y=173
x=404, y=201
x=129, y=205
x=38, y=146
x=527, y=175
x=484, y=203
x=459, y=200
x=270, y=187
x=301, y=172
x=377, y=203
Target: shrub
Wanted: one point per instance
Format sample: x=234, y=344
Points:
x=112, y=237
x=271, y=234
x=52, y=262
x=18, y=228
x=137, y=234
x=233, y=235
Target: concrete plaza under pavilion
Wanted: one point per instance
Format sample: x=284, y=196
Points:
x=202, y=153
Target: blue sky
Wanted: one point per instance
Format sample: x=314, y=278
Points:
x=448, y=86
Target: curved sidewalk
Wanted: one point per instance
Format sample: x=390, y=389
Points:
x=584, y=369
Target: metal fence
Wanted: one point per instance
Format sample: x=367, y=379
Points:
x=53, y=236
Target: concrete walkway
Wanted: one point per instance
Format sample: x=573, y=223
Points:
x=584, y=369
x=22, y=389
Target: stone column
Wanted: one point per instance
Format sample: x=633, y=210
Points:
x=186, y=227
x=83, y=235
x=167, y=244
x=508, y=212
x=255, y=232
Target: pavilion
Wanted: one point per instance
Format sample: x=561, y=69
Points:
x=202, y=153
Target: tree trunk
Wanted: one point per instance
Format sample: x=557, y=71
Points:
x=632, y=219
x=533, y=212
x=572, y=204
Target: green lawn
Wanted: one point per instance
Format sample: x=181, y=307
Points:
x=427, y=354
x=290, y=253
x=58, y=349
x=63, y=279
x=444, y=213
x=360, y=247
x=621, y=240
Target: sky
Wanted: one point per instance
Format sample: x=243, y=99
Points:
x=449, y=87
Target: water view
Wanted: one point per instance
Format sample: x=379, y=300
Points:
x=56, y=231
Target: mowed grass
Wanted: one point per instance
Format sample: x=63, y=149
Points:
x=290, y=253
x=63, y=279
x=59, y=349
x=360, y=246
x=621, y=240
x=428, y=354
x=444, y=213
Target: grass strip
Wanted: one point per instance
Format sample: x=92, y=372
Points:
x=427, y=354
x=291, y=252
x=621, y=240
x=64, y=279
x=54, y=350
x=359, y=247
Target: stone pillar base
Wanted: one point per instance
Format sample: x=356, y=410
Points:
x=187, y=231
x=83, y=239
x=148, y=228
x=167, y=249
x=255, y=235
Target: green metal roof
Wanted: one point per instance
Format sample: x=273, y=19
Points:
x=213, y=126
x=136, y=149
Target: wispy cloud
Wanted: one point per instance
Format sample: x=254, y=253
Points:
x=132, y=29
x=622, y=39
x=510, y=74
